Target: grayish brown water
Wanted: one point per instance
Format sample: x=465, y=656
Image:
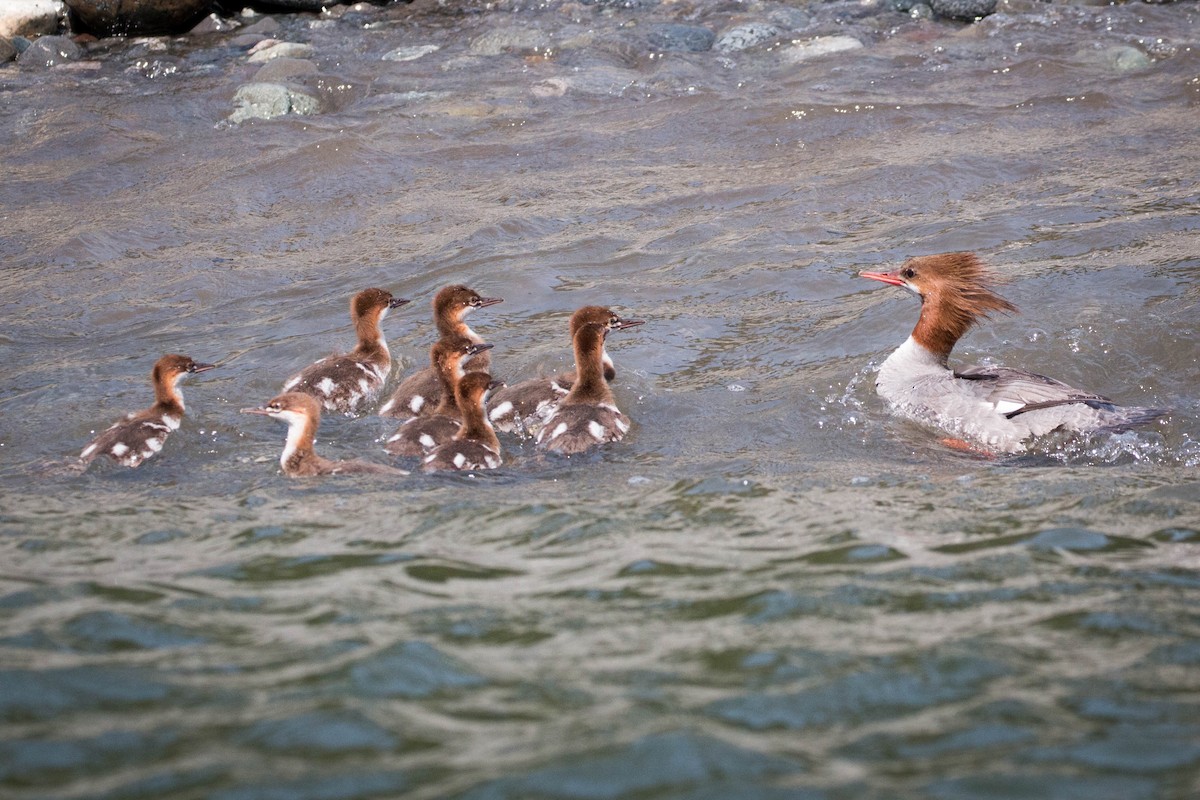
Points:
x=770, y=589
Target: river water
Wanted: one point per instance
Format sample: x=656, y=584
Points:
x=771, y=589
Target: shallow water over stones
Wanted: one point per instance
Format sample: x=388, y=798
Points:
x=771, y=588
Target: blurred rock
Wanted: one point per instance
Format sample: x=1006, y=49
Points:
x=282, y=69
x=30, y=17
x=49, y=51
x=820, y=46
x=743, y=37
x=269, y=49
x=690, y=38
x=270, y=100
x=410, y=53
x=213, y=23
x=966, y=10
x=509, y=40
x=294, y=5
x=138, y=17
x=7, y=51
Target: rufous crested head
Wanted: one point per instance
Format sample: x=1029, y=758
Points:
x=171, y=366
x=955, y=291
x=449, y=351
x=373, y=301
x=599, y=315
x=474, y=386
x=455, y=301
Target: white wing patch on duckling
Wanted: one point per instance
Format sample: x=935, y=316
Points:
x=325, y=386
x=597, y=430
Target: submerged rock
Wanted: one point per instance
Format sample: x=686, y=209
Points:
x=138, y=17
x=743, y=37
x=269, y=49
x=29, y=17
x=411, y=53
x=819, y=46
x=509, y=40
x=690, y=38
x=270, y=100
x=966, y=10
x=49, y=51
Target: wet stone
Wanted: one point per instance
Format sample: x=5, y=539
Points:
x=49, y=51
x=410, y=53
x=743, y=37
x=509, y=40
x=138, y=17
x=267, y=26
x=688, y=38
x=29, y=17
x=269, y=49
x=8, y=51
x=270, y=100
x=820, y=46
x=280, y=70
x=966, y=10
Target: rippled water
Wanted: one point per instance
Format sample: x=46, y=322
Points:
x=770, y=589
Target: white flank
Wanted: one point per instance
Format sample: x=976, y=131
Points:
x=559, y=430
x=427, y=441
x=416, y=404
x=596, y=430
x=87, y=451
x=153, y=445
x=119, y=449
x=459, y=460
x=365, y=385
x=172, y=422
x=287, y=387
x=622, y=425
x=501, y=411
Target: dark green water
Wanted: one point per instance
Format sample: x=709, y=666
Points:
x=770, y=589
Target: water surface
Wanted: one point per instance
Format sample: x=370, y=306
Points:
x=771, y=588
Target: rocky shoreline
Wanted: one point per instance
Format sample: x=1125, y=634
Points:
x=642, y=30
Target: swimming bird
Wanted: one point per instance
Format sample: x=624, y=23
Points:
x=588, y=416
x=475, y=446
x=998, y=409
x=139, y=435
x=526, y=405
x=418, y=435
x=302, y=414
x=350, y=381
x=420, y=392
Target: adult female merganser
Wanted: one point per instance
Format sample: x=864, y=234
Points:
x=525, y=406
x=475, y=446
x=998, y=408
x=420, y=392
x=349, y=381
x=588, y=415
x=419, y=435
x=302, y=413
x=141, y=434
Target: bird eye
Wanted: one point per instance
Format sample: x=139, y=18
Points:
x=908, y=273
